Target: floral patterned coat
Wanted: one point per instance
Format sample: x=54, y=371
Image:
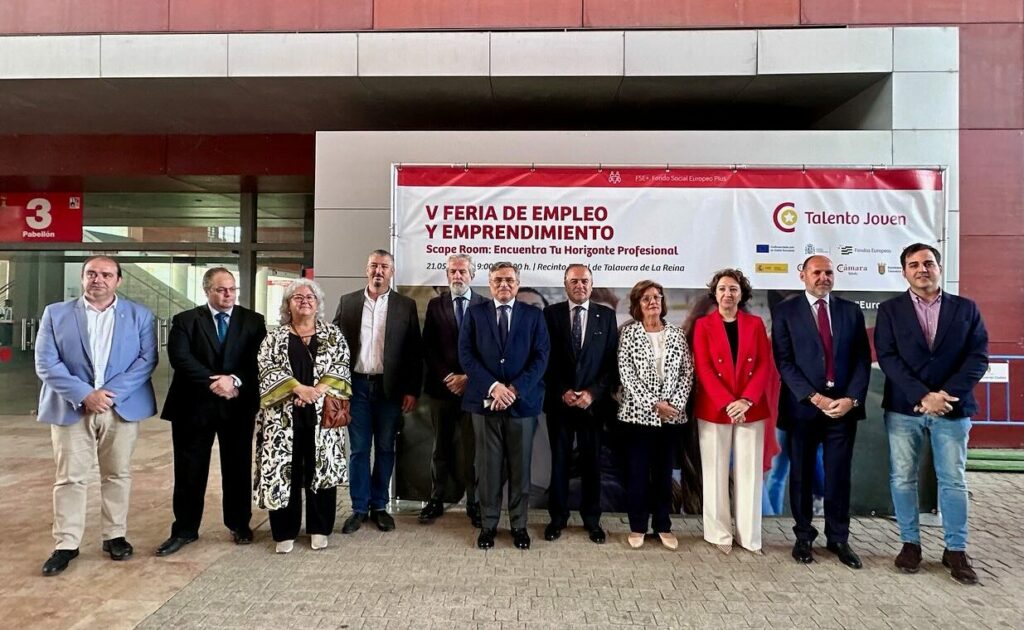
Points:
x=641, y=385
x=274, y=434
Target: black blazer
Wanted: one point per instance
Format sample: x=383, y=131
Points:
x=441, y=344
x=596, y=367
x=955, y=364
x=403, y=351
x=195, y=355
x=800, y=357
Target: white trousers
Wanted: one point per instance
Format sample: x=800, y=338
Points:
x=745, y=443
x=102, y=437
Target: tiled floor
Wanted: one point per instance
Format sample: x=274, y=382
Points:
x=432, y=576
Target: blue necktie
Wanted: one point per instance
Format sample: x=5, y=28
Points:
x=577, y=329
x=222, y=326
x=503, y=323
x=460, y=310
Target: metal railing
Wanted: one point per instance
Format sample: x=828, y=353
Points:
x=1004, y=393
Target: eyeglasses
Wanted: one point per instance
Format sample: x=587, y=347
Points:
x=500, y=281
x=308, y=299
x=650, y=299
x=226, y=290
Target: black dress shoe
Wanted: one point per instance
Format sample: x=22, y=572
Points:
x=596, y=535
x=521, y=538
x=846, y=555
x=118, y=548
x=383, y=520
x=433, y=509
x=486, y=538
x=802, y=552
x=174, y=544
x=553, y=532
x=242, y=536
x=58, y=561
x=353, y=522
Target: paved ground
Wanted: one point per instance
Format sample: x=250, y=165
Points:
x=432, y=576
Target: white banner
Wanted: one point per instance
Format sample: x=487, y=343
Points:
x=676, y=226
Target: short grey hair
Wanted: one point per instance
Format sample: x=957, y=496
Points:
x=286, y=313
x=467, y=258
x=382, y=252
x=578, y=266
x=210, y=273
x=504, y=264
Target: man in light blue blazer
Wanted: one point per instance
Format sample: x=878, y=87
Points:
x=95, y=356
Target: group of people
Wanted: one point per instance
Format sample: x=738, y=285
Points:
x=490, y=366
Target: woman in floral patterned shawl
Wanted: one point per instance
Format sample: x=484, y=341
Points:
x=300, y=363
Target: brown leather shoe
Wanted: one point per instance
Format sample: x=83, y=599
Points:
x=909, y=558
x=959, y=565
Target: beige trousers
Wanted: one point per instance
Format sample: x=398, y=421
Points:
x=76, y=448
x=745, y=442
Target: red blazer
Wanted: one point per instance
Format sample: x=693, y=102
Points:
x=719, y=382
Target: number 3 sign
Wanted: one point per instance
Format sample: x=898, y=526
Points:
x=40, y=217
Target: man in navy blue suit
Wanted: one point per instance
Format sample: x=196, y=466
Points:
x=503, y=347
x=933, y=347
x=822, y=353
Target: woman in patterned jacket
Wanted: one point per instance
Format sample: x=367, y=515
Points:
x=657, y=374
x=300, y=363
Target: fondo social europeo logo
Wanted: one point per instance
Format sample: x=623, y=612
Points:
x=785, y=217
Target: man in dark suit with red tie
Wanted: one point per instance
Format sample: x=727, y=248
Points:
x=582, y=370
x=445, y=383
x=822, y=353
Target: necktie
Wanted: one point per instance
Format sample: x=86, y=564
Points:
x=222, y=326
x=825, y=331
x=503, y=323
x=577, y=329
x=460, y=310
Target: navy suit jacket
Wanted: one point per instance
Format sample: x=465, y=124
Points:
x=520, y=363
x=800, y=357
x=955, y=363
x=596, y=367
x=441, y=343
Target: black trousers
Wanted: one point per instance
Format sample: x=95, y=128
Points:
x=503, y=443
x=837, y=439
x=564, y=428
x=321, y=506
x=454, y=449
x=192, y=443
x=650, y=453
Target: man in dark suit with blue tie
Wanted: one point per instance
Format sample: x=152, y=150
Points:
x=822, y=353
x=504, y=349
x=933, y=348
x=445, y=384
x=581, y=374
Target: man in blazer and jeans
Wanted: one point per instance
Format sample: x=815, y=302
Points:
x=215, y=392
x=383, y=334
x=933, y=348
x=822, y=353
x=95, y=356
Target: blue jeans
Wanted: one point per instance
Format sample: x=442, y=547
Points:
x=375, y=422
x=949, y=451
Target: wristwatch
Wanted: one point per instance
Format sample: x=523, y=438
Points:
x=238, y=383
x=856, y=403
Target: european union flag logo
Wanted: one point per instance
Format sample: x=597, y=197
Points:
x=762, y=248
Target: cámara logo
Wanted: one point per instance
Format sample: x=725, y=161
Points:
x=785, y=217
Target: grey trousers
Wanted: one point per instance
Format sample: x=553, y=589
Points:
x=503, y=442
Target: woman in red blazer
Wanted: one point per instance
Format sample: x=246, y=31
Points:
x=732, y=360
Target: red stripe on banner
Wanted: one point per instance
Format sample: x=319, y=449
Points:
x=611, y=177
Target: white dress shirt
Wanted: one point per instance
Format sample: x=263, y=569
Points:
x=100, y=328
x=227, y=322
x=497, y=311
x=371, y=334
x=583, y=318
x=813, y=301
x=455, y=301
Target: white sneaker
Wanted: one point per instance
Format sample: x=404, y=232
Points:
x=318, y=541
x=285, y=546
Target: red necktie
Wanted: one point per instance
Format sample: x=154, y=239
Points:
x=825, y=331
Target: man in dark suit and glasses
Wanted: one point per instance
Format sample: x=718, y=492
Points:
x=445, y=383
x=580, y=376
x=822, y=353
x=504, y=348
x=214, y=393
x=933, y=348
x=383, y=333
